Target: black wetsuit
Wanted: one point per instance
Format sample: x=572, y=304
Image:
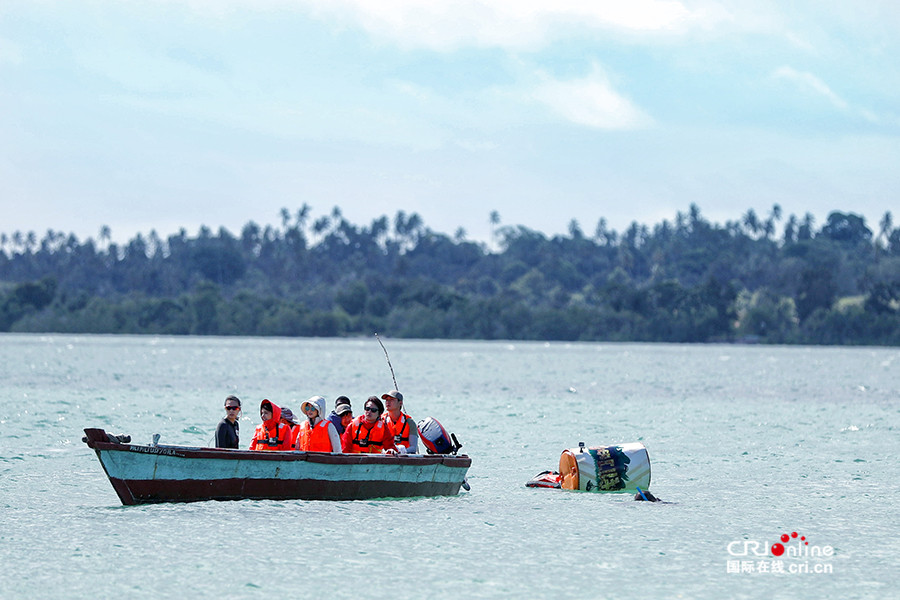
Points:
x=227, y=434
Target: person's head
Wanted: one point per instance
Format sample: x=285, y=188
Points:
x=314, y=408
x=374, y=408
x=266, y=410
x=393, y=401
x=645, y=495
x=345, y=413
x=288, y=417
x=341, y=400
x=232, y=408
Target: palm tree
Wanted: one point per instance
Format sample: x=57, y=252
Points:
x=600, y=231
x=105, y=236
x=694, y=216
x=414, y=225
x=774, y=216
x=886, y=224
x=575, y=230
x=303, y=215
x=751, y=221
x=680, y=223
x=495, y=221
x=790, y=230
x=250, y=237
x=805, y=232
x=156, y=245
x=321, y=225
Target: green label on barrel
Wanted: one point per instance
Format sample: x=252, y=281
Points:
x=611, y=468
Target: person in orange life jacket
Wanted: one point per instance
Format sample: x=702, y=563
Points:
x=318, y=433
x=271, y=434
x=290, y=419
x=399, y=424
x=367, y=432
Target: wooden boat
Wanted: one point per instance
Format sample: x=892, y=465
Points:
x=142, y=474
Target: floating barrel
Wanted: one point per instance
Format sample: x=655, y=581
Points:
x=618, y=468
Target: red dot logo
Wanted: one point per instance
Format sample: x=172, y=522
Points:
x=779, y=549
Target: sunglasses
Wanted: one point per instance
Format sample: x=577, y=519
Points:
x=371, y=409
x=232, y=408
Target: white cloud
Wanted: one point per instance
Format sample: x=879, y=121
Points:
x=809, y=82
x=590, y=101
x=447, y=25
x=512, y=24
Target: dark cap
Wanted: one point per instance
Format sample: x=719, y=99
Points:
x=341, y=400
x=343, y=409
x=393, y=394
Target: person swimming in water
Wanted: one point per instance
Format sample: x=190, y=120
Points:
x=645, y=495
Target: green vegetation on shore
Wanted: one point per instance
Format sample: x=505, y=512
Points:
x=770, y=280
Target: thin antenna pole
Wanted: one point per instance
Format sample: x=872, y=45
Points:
x=396, y=387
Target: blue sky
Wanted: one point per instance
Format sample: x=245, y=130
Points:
x=165, y=114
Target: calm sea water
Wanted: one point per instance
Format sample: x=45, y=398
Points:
x=746, y=443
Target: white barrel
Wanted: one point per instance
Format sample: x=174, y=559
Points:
x=617, y=468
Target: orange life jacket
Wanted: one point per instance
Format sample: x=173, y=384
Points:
x=315, y=439
x=266, y=439
x=372, y=441
x=399, y=431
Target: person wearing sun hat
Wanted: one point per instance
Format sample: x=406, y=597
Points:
x=290, y=419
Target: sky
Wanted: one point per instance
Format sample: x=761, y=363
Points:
x=162, y=114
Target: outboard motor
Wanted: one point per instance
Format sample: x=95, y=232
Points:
x=435, y=437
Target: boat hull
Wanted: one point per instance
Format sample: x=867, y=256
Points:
x=148, y=474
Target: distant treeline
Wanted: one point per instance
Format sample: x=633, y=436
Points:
x=765, y=279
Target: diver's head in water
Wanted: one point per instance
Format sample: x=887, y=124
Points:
x=646, y=495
